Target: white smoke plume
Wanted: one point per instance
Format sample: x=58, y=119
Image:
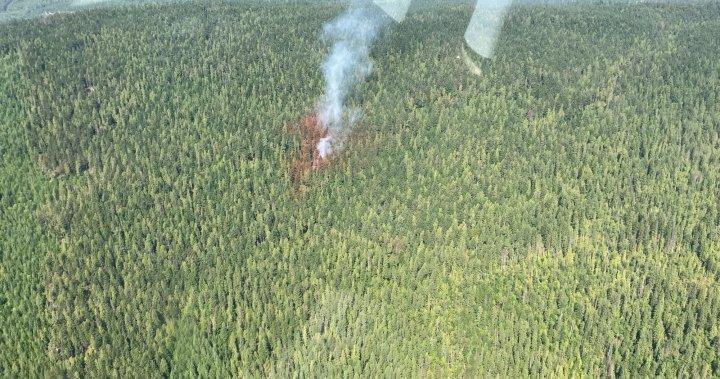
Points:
x=346, y=65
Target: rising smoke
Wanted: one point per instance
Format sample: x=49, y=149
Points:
x=347, y=64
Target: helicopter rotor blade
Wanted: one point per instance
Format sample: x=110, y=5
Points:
x=397, y=9
x=485, y=24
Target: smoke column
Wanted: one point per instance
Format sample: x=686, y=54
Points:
x=347, y=64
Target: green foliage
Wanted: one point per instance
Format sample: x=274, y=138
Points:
x=14, y=9
x=556, y=215
x=23, y=244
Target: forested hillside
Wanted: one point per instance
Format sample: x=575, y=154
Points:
x=14, y=9
x=550, y=212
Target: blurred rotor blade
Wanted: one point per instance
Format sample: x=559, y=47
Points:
x=485, y=25
x=396, y=9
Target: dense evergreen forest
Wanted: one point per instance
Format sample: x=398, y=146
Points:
x=15, y=9
x=550, y=212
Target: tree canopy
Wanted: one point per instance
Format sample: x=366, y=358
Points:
x=550, y=212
